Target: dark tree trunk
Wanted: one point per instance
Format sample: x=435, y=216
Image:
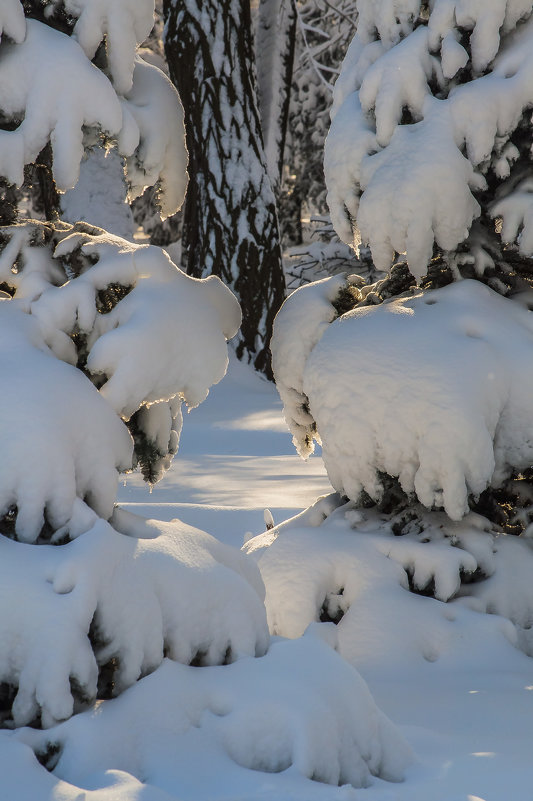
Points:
x=45, y=194
x=8, y=203
x=230, y=223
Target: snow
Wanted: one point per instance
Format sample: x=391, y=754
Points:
x=59, y=462
x=124, y=23
x=448, y=362
x=403, y=123
x=100, y=194
x=177, y=732
x=345, y=653
x=68, y=101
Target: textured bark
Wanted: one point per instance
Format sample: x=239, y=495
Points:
x=45, y=195
x=8, y=203
x=230, y=223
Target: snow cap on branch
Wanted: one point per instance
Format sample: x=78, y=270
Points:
x=59, y=99
x=160, y=156
x=124, y=24
x=55, y=98
x=12, y=21
x=421, y=120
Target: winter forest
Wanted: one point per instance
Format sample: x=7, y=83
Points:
x=225, y=224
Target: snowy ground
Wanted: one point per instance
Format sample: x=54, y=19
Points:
x=468, y=715
x=471, y=728
x=235, y=460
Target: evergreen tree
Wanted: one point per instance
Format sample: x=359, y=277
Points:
x=437, y=95
x=230, y=224
x=101, y=342
x=428, y=157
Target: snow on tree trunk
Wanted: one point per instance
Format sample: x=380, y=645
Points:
x=275, y=46
x=230, y=223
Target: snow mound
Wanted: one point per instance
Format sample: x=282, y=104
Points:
x=161, y=589
x=299, y=707
x=390, y=386
x=403, y=600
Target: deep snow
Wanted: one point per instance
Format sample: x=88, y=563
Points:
x=468, y=715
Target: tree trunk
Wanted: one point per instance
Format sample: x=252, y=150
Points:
x=276, y=39
x=8, y=203
x=230, y=223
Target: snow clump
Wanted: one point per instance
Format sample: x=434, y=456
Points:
x=388, y=387
x=70, y=103
x=51, y=462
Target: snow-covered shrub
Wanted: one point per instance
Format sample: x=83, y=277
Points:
x=103, y=610
x=102, y=341
x=98, y=333
x=429, y=389
x=429, y=148
x=110, y=319
x=257, y=714
x=402, y=589
x=428, y=156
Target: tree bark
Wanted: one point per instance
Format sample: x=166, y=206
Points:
x=230, y=223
